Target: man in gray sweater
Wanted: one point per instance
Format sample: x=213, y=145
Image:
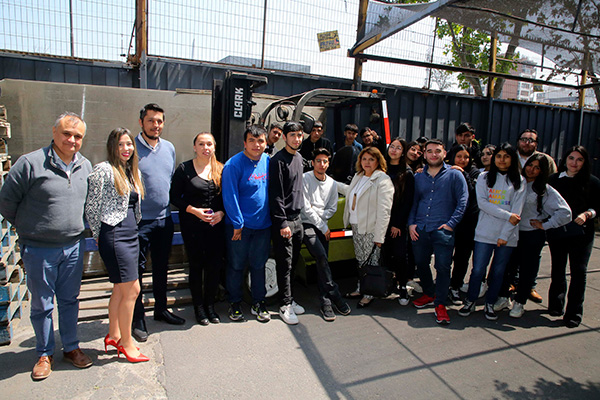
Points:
x=43, y=197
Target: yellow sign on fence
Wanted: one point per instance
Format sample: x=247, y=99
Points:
x=328, y=40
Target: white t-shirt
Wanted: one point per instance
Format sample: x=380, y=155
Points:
x=355, y=193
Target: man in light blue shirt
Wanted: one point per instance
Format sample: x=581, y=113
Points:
x=157, y=163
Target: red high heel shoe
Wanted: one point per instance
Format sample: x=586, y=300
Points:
x=140, y=358
x=110, y=342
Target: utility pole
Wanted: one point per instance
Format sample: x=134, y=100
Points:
x=584, y=75
x=141, y=41
x=493, y=60
x=360, y=33
x=262, y=57
x=71, y=28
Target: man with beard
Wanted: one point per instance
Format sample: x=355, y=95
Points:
x=286, y=201
x=439, y=203
x=157, y=163
x=527, y=146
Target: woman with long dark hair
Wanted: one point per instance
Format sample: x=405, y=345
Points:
x=544, y=209
x=574, y=241
x=196, y=192
x=500, y=196
x=113, y=211
x=459, y=157
x=486, y=157
x=396, y=239
x=414, y=156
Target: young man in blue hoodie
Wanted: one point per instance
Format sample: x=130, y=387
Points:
x=245, y=183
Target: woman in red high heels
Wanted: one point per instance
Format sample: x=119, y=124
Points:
x=113, y=211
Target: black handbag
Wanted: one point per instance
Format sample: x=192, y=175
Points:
x=375, y=279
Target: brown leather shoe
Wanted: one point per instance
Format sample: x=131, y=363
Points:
x=42, y=369
x=535, y=296
x=78, y=358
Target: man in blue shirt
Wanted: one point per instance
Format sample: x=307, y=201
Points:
x=440, y=201
x=245, y=183
x=157, y=163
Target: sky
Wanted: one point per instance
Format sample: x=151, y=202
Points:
x=211, y=30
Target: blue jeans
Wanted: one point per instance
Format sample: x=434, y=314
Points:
x=251, y=250
x=54, y=271
x=482, y=253
x=440, y=243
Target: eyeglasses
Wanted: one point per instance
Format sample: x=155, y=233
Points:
x=395, y=148
x=527, y=140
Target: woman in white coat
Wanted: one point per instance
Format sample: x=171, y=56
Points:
x=369, y=198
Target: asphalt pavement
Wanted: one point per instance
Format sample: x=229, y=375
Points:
x=385, y=351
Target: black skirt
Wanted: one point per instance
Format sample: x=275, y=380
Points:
x=119, y=246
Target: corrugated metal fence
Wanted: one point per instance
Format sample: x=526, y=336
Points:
x=413, y=112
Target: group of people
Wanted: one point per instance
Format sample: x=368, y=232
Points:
x=498, y=205
x=404, y=202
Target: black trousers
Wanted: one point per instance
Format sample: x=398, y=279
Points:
x=287, y=252
x=525, y=260
x=395, y=257
x=577, y=250
x=205, y=247
x=464, y=240
x=155, y=235
x=318, y=247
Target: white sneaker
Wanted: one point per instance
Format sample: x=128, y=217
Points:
x=298, y=309
x=288, y=315
x=517, y=310
x=502, y=303
x=415, y=286
x=483, y=289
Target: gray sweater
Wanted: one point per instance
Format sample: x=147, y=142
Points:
x=555, y=210
x=42, y=202
x=496, y=205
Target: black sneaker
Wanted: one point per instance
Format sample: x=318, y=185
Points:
x=489, y=312
x=261, y=312
x=403, y=299
x=454, y=297
x=235, y=312
x=467, y=309
x=327, y=312
x=342, y=308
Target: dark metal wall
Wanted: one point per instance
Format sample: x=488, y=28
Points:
x=413, y=112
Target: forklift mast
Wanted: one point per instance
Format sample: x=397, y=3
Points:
x=231, y=110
